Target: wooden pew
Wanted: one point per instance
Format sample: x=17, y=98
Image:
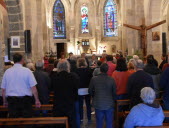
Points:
x=31, y=121
x=43, y=107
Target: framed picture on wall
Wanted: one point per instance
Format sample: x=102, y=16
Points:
x=156, y=36
x=15, y=41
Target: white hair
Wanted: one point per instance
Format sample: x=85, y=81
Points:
x=135, y=57
x=30, y=66
x=63, y=65
x=139, y=64
x=39, y=64
x=148, y=95
x=133, y=61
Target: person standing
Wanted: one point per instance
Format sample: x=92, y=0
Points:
x=112, y=67
x=18, y=84
x=136, y=82
x=103, y=90
x=164, y=61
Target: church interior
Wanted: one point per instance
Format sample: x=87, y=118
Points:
x=52, y=28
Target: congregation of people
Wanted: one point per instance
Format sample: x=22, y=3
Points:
x=96, y=82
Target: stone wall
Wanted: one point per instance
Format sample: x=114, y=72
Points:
x=15, y=15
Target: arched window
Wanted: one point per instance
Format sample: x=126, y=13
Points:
x=59, y=27
x=84, y=19
x=110, y=19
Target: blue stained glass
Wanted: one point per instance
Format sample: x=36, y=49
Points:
x=110, y=19
x=84, y=19
x=59, y=29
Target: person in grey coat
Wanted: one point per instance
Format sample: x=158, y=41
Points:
x=103, y=90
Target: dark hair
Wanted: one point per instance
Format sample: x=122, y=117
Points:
x=17, y=57
x=151, y=60
x=51, y=60
x=56, y=63
x=164, y=55
x=99, y=63
x=109, y=58
x=104, y=68
x=121, y=64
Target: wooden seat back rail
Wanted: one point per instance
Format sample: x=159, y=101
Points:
x=43, y=107
x=30, y=121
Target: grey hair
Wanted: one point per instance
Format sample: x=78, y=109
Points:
x=133, y=61
x=73, y=58
x=148, y=95
x=30, y=66
x=135, y=57
x=39, y=64
x=81, y=62
x=139, y=64
x=63, y=65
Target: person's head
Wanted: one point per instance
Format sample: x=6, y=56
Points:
x=164, y=57
x=83, y=55
x=121, y=65
x=18, y=58
x=81, y=62
x=130, y=66
x=104, y=68
x=74, y=58
x=56, y=63
x=29, y=61
x=151, y=60
x=62, y=55
x=99, y=63
x=30, y=66
x=109, y=58
x=93, y=57
x=39, y=64
x=51, y=60
x=139, y=65
x=135, y=57
x=132, y=61
x=70, y=54
x=148, y=95
x=104, y=55
x=63, y=65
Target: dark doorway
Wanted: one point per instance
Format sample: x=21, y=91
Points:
x=60, y=49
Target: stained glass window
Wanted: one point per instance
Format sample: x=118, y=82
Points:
x=110, y=19
x=84, y=18
x=59, y=30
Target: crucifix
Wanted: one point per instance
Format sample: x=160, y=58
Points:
x=143, y=30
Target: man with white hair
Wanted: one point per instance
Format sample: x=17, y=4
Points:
x=136, y=82
x=147, y=113
x=43, y=83
x=65, y=86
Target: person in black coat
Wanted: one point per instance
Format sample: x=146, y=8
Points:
x=43, y=84
x=136, y=82
x=85, y=75
x=65, y=86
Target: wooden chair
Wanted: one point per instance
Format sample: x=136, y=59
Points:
x=30, y=121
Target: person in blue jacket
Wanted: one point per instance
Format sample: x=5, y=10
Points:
x=147, y=113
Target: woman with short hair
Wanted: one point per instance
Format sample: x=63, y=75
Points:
x=85, y=76
x=147, y=113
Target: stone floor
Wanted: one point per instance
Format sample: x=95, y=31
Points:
x=85, y=123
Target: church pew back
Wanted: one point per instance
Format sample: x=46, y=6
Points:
x=30, y=121
x=43, y=107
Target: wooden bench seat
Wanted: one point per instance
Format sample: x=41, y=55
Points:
x=30, y=121
x=43, y=107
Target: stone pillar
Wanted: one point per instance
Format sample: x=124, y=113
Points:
x=15, y=15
